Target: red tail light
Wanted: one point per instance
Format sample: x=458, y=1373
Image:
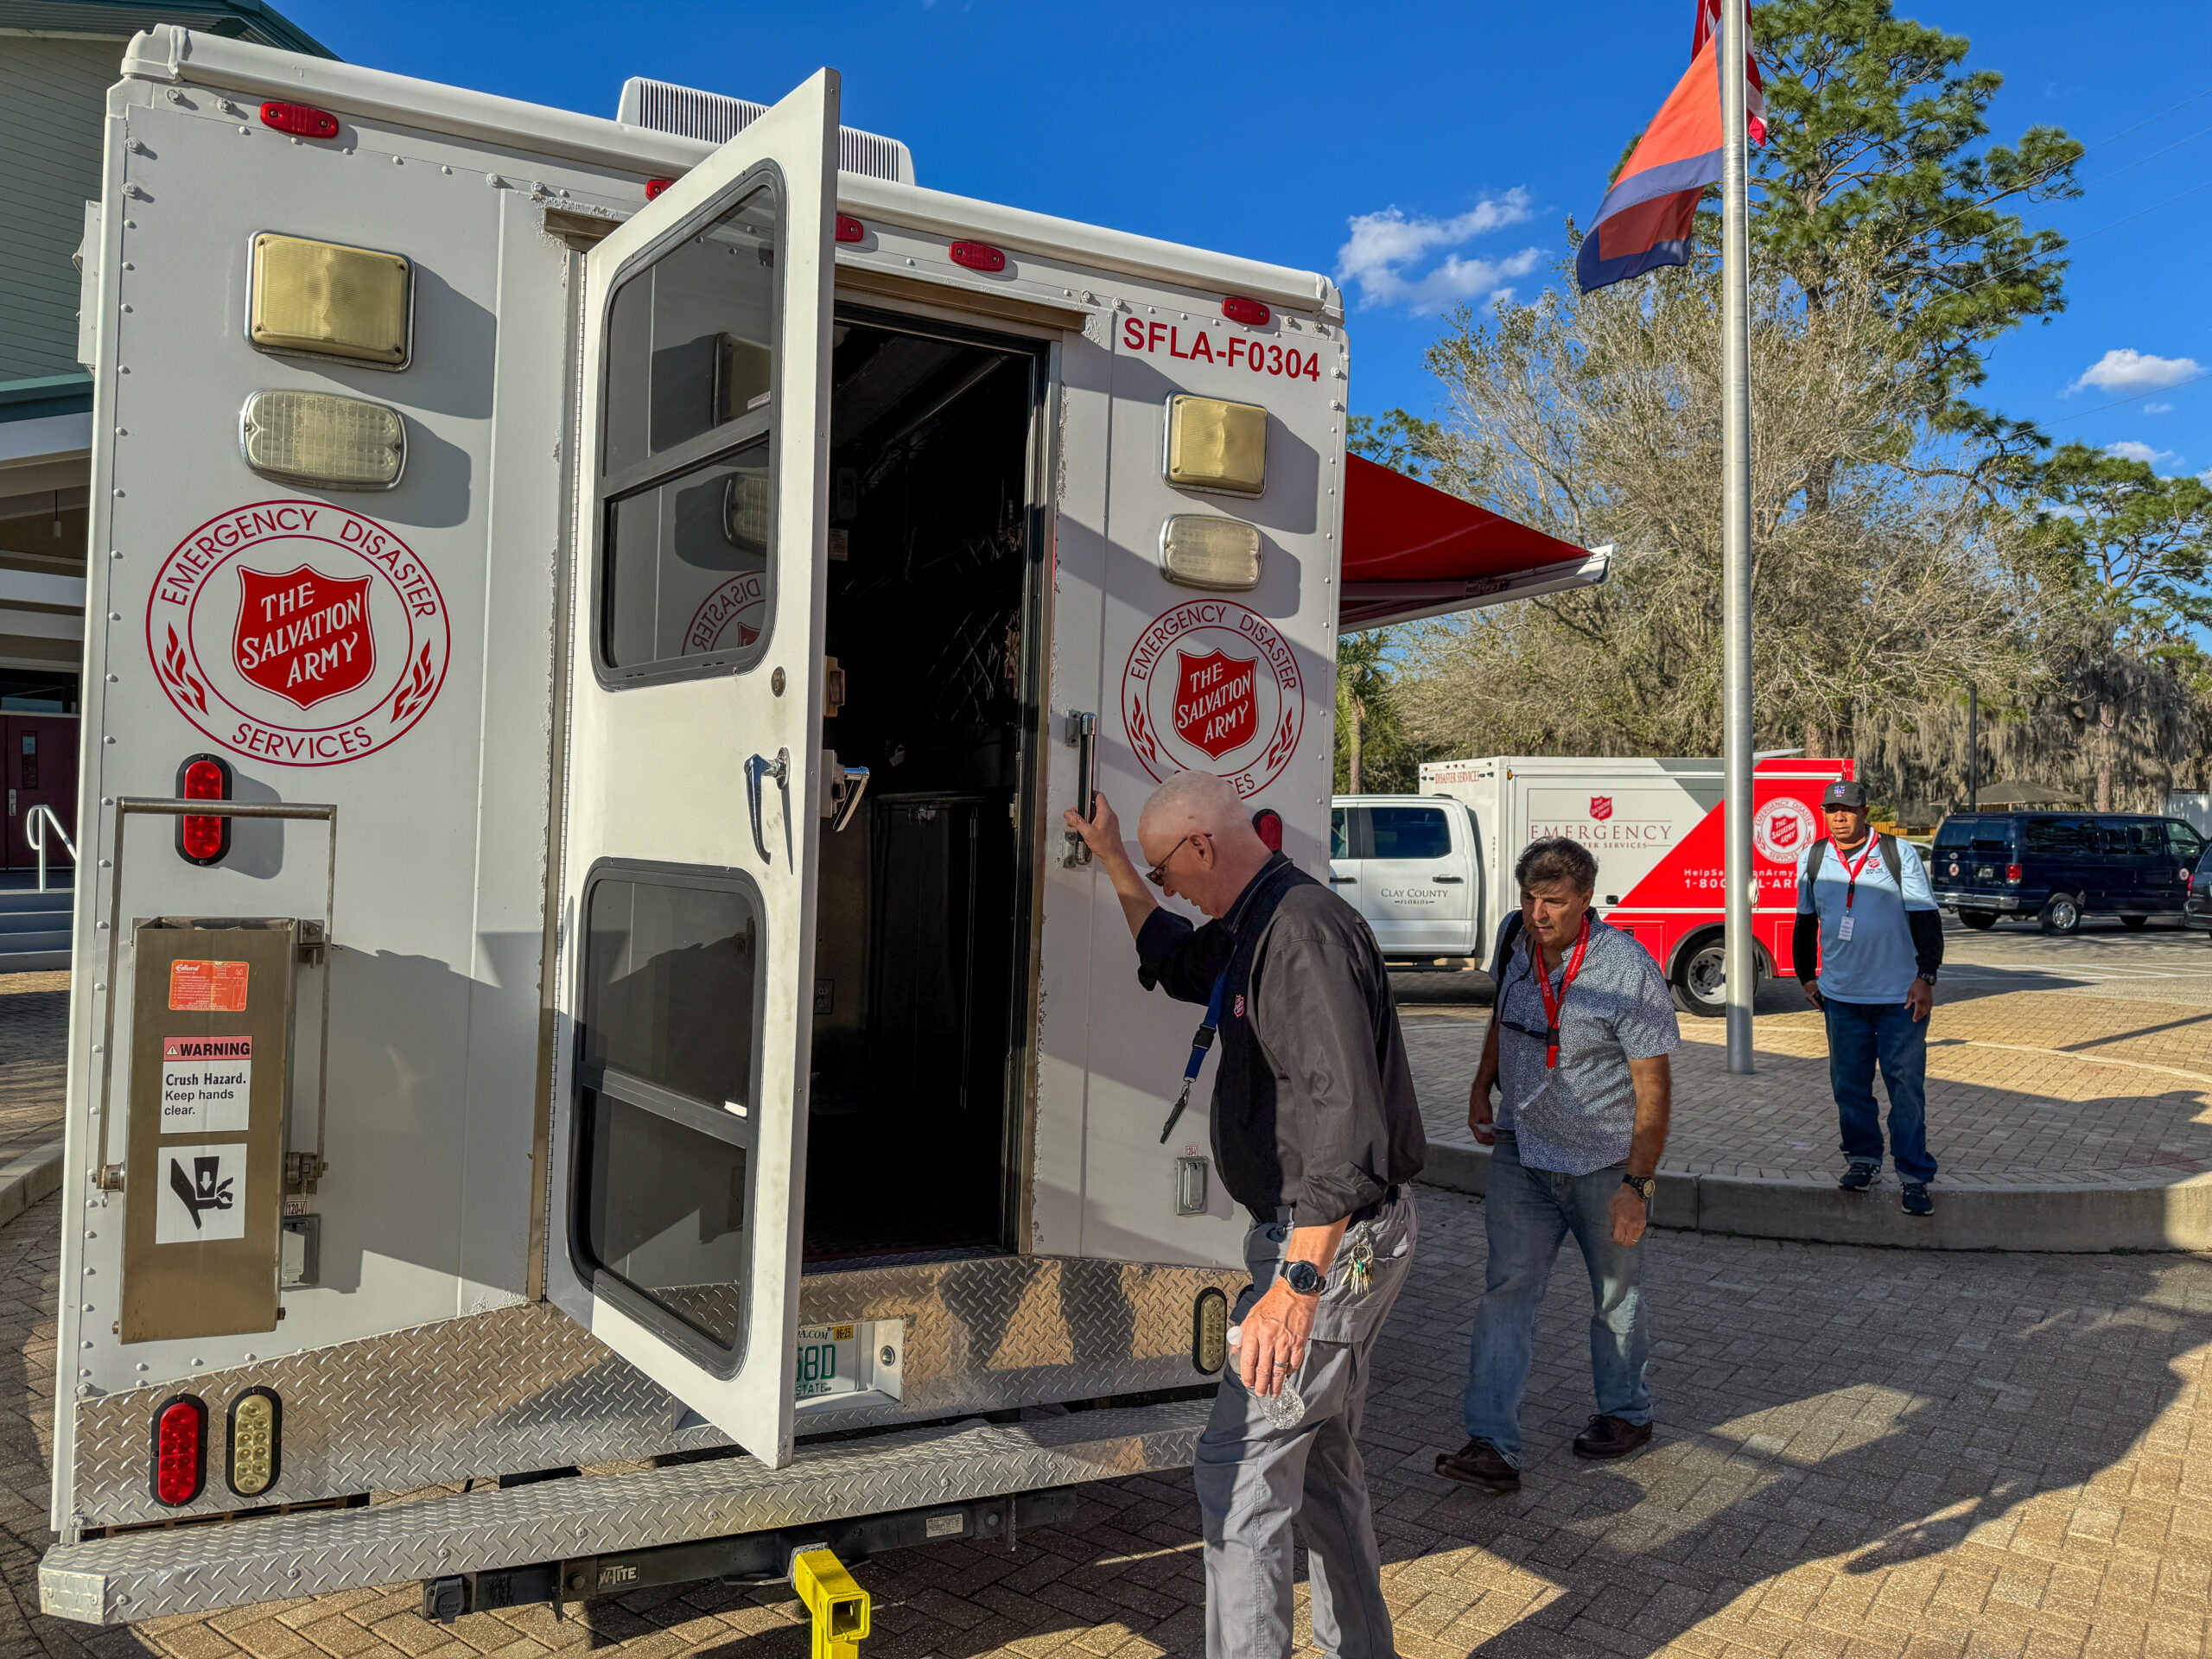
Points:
x=2012, y=872
x=850, y=229
x=203, y=841
x=1268, y=822
x=301, y=120
x=1247, y=311
x=978, y=255
x=180, y=1451
x=654, y=186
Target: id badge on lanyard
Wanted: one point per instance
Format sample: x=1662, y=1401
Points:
x=1850, y=871
x=1553, y=1005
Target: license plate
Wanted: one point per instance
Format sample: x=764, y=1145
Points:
x=1985, y=872
x=858, y=1356
x=829, y=1361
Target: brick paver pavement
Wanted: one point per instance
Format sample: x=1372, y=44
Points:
x=2038, y=1086
x=1861, y=1452
x=33, y=1024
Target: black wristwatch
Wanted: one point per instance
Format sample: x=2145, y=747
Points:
x=1929, y=976
x=1644, y=1185
x=1304, y=1278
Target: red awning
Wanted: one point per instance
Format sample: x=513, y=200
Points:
x=1411, y=550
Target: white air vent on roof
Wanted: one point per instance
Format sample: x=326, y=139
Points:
x=663, y=106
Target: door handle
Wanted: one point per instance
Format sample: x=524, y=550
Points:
x=756, y=768
x=841, y=789
x=1082, y=735
x=855, y=786
x=1451, y=878
x=1339, y=881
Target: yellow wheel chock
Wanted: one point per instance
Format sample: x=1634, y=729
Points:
x=838, y=1606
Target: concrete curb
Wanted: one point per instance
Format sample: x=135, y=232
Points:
x=35, y=1175
x=2079, y=1217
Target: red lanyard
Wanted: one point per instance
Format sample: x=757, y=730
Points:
x=1553, y=1005
x=1850, y=871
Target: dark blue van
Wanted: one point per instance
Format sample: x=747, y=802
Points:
x=2060, y=866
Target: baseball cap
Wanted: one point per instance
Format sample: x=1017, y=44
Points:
x=1844, y=794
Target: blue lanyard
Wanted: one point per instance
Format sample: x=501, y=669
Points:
x=1201, y=1040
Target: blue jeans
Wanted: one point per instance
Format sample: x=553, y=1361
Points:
x=1859, y=1034
x=1527, y=1215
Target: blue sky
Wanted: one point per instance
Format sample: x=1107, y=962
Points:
x=1453, y=138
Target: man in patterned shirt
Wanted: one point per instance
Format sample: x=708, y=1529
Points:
x=1580, y=1044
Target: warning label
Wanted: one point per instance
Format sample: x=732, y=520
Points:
x=203, y=1197
x=207, y=1084
x=207, y=987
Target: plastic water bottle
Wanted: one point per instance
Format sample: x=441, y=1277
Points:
x=1285, y=1408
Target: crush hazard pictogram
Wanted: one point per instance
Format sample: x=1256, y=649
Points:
x=304, y=635
x=1215, y=708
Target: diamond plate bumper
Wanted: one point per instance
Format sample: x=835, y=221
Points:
x=196, y=1569
x=525, y=1387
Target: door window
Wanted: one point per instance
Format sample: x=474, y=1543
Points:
x=666, y=1132
x=1340, y=833
x=2062, y=836
x=2147, y=838
x=685, y=462
x=2182, y=840
x=1408, y=832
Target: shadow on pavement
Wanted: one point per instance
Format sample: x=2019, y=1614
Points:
x=1867, y=1409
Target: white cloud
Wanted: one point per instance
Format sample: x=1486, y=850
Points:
x=2129, y=449
x=2124, y=370
x=1383, y=245
x=2158, y=409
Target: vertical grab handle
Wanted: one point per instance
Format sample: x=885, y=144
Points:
x=756, y=768
x=1083, y=736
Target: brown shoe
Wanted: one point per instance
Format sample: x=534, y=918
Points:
x=1612, y=1437
x=1477, y=1463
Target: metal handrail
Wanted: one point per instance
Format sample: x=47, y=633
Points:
x=35, y=824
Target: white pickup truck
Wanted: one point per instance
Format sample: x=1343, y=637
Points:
x=1411, y=865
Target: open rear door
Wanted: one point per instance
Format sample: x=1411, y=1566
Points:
x=695, y=775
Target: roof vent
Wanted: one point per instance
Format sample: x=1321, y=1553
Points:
x=663, y=106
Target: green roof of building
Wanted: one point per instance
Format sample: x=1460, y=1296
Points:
x=240, y=20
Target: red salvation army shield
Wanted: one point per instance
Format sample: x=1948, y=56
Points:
x=302, y=635
x=1782, y=829
x=1601, y=807
x=1215, y=709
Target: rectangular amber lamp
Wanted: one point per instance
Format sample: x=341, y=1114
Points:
x=1213, y=444
x=331, y=300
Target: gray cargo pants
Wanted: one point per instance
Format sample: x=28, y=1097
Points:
x=1253, y=1478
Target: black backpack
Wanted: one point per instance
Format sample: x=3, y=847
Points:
x=1506, y=935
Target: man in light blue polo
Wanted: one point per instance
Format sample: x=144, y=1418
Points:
x=1866, y=919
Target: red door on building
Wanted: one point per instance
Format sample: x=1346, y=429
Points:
x=40, y=754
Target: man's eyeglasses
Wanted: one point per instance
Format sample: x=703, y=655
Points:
x=1158, y=873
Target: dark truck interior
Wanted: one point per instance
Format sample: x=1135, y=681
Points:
x=923, y=906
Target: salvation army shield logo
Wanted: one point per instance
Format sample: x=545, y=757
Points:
x=1782, y=828
x=1601, y=807
x=1214, y=706
x=302, y=635
x=728, y=619
x=1213, y=686
x=298, y=631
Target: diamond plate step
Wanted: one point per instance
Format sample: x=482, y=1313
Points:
x=199, y=1568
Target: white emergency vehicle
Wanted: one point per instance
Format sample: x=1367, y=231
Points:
x=1654, y=825
x=592, y=630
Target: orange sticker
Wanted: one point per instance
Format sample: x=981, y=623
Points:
x=207, y=987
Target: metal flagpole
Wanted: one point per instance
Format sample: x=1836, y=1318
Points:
x=1737, y=868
